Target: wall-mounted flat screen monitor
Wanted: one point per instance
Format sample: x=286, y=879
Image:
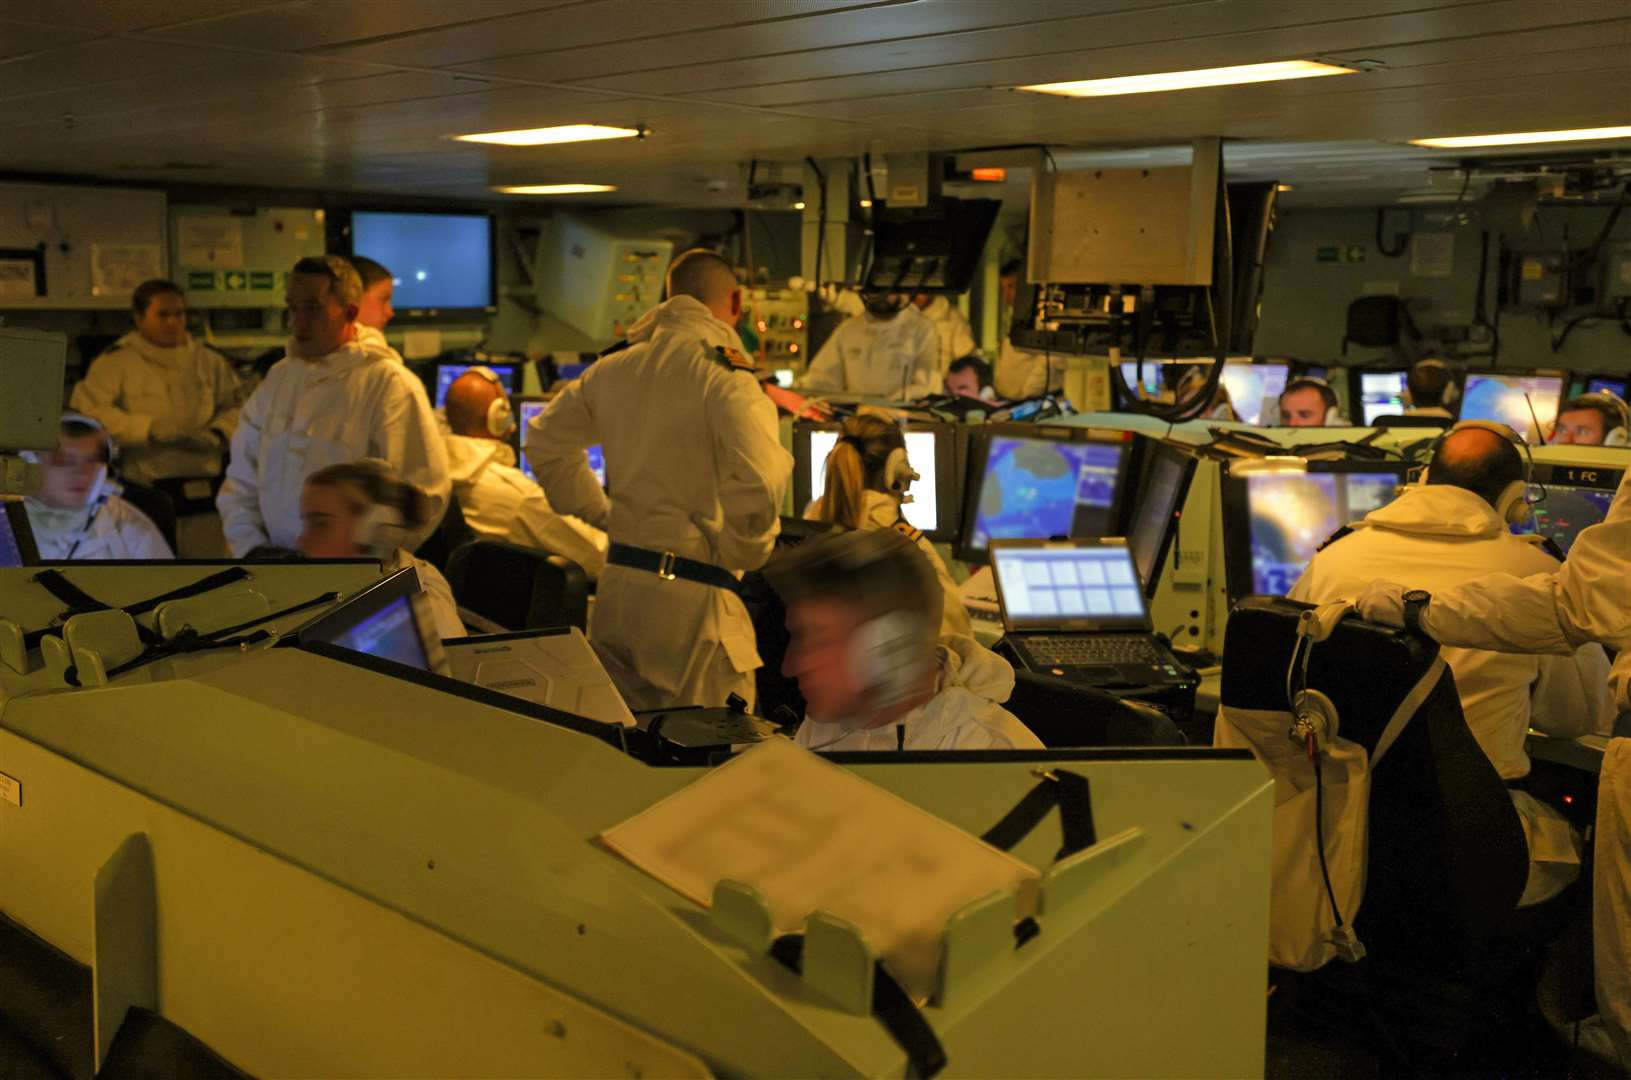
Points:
x=437, y=261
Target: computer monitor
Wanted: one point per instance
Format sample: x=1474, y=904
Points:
x=1379, y=393
x=1254, y=389
x=1164, y=478
x=387, y=620
x=1275, y=520
x=936, y=495
x=438, y=261
x=1507, y=398
x=1597, y=384
x=1573, y=498
x=446, y=373
x=16, y=535
x=1031, y=482
x=525, y=410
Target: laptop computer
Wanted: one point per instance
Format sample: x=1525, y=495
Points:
x=556, y=667
x=1076, y=609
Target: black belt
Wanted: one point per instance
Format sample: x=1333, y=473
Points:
x=669, y=566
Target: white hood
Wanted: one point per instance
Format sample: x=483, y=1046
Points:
x=172, y=357
x=1437, y=510
x=683, y=314
x=467, y=456
x=967, y=664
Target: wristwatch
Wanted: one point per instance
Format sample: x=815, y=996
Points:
x=1414, y=602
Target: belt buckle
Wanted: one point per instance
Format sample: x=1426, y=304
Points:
x=665, y=566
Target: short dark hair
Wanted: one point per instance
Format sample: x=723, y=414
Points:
x=878, y=571
x=342, y=276
x=1428, y=381
x=371, y=272
x=1478, y=460
x=149, y=291
x=1011, y=268
x=1308, y=382
x=973, y=362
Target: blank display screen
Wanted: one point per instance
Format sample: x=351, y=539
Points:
x=923, y=512
x=1067, y=584
x=436, y=260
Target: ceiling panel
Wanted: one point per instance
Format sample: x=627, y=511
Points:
x=20, y=39
x=119, y=16
x=589, y=22
x=103, y=62
x=315, y=24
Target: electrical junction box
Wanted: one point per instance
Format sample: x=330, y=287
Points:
x=1539, y=279
x=597, y=280
x=1614, y=268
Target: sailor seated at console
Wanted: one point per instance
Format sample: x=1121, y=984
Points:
x=863, y=610
x=498, y=499
x=359, y=509
x=78, y=513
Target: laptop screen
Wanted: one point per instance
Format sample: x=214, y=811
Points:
x=389, y=633
x=1088, y=585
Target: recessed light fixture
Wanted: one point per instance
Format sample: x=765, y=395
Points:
x=556, y=189
x=798, y=206
x=548, y=136
x=1193, y=80
x=1521, y=138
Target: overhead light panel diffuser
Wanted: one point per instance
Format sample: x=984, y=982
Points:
x=1192, y=80
x=550, y=136
x=1524, y=138
x=556, y=189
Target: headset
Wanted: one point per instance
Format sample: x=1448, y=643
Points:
x=500, y=417
x=382, y=527
x=1514, y=505
x=888, y=659
x=1452, y=392
x=898, y=474
x=1333, y=410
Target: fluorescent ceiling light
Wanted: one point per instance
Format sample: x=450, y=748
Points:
x=547, y=136
x=1285, y=187
x=556, y=189
x=1192, y=80
x=1522, y=138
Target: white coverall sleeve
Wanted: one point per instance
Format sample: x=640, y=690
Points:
x=228, y=397
x=753, y=472
x=1570, y=698
x=408, y=438
x=827, y=369
x=98, y=396
x=556, y=445
x=925, y=375
x=239, y=497
x=537, y=525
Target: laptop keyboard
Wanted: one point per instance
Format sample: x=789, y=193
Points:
x=1074, y=651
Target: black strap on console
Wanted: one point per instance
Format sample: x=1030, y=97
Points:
x=80, y=602
x=1059, y=787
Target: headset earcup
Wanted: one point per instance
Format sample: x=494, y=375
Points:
x=500, y=418
x=1513, y=505
x=887, y=657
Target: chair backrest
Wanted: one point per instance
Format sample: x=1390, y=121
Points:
x=1447, y=859
x=159, y=508
x=453, y=533
x=1414, y=421
x=518, y=587
x=1064, y=715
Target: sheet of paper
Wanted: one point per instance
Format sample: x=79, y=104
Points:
x=209, y=241
x=810, y=836
x=116, y=269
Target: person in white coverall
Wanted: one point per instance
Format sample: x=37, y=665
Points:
x=950, y=325
x=78, y=513
x=331, y=399
x=697, y=473
x=374, y=310
x=171, y=403
x=1448, y=530
x=863, y=612
x=359, y=509
x=497, y=499
x=868, y=475
x=891, y=352
x=1588, y=598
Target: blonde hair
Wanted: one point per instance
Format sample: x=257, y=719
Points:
x=855, y=466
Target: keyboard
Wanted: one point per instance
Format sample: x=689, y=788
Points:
x=1077, y=651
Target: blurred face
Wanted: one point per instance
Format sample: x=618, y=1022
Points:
x=1302, y=408
x=327, y=523
x=963, y=383
x=883, y=305
x=818, y=656
x=922, y=301
x=319, y=321
x=70, y=473
x=1010, y=289
x=1582, y=427
x=375, y=308
x=164, y=323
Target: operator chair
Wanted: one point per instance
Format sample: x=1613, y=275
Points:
x=1064, y=715
x=452, y=533
x=519, y=588
x=1452, y=961
x=158, y=507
